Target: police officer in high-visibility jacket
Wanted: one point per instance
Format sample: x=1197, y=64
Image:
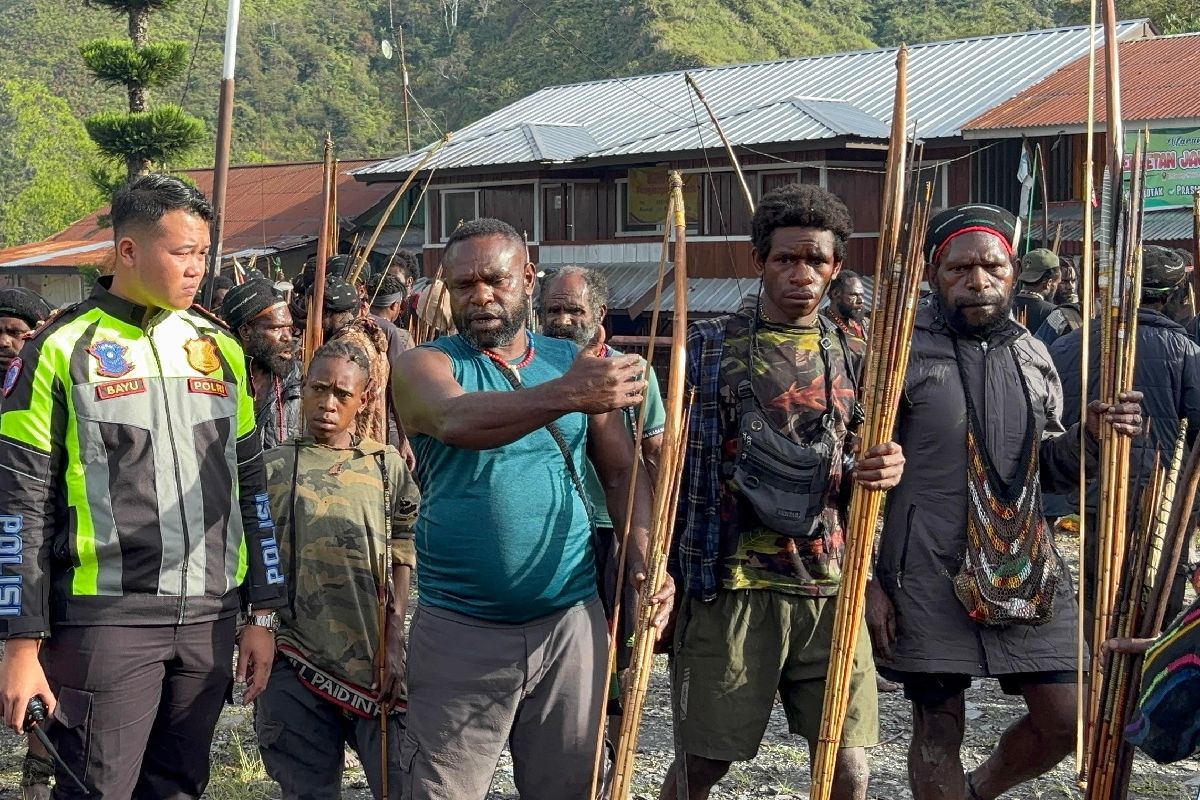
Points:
x=134, y=519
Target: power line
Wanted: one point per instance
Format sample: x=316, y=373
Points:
x=187, y=82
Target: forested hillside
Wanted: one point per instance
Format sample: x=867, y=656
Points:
x=305, y=66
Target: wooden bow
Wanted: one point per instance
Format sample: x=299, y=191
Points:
x=666, y=496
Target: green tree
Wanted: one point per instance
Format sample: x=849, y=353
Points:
x=45, y=156
x=141, y=136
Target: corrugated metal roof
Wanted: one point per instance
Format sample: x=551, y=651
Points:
x=710, y=295
x=626, y=282
x=950, y=83
x=559, y=142
x=1159, y=225
x=796, y=119
x=1158, y=82
x=62, y=253
x=269, y=206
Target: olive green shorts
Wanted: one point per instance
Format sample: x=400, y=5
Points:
x=734, y=654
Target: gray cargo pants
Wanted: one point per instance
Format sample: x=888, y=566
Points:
x=473, y=685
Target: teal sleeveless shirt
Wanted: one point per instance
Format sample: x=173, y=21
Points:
x=503, y=535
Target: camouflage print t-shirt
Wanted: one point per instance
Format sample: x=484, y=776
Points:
x=789, y=385
x=332, y=545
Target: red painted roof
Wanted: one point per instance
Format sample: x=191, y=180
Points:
x=1158, y=82
x=269, y=205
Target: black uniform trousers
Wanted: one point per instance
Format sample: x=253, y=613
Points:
x=137, y=706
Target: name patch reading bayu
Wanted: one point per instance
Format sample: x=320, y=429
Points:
x=113, y=389
x=208, y=386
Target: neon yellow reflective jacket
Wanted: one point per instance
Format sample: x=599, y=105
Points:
x=127, y=450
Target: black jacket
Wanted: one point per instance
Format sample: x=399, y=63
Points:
x=1167, y=373
x=1031, y=310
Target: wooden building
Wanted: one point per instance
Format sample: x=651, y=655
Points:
x=581, y=169
x=1158, y=93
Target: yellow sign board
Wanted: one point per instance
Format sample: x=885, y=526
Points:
x=648, y=193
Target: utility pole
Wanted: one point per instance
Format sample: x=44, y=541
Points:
x=224, y=140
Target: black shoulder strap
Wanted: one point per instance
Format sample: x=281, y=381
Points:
x=514, y=380
x=386, y=555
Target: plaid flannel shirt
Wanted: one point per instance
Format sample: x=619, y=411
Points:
x=696, y=561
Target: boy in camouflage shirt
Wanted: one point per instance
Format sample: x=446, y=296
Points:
x=329, y=490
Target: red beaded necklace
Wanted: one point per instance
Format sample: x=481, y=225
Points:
x=500, y=362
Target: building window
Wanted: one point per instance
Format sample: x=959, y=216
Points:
x=458, y=205
x=642, y=201
x=937, y=173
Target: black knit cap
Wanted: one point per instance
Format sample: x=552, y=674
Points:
x=339, y=295
x=945, y=225
x=24, y=304
x=246, y=302
x=1163, y=269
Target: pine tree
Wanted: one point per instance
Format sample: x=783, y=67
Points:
x=143, y=136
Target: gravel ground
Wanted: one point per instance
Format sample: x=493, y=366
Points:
x=780, y=771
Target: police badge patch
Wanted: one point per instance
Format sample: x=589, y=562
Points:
x=111, y=359
x=10, y=377
x=202, y=355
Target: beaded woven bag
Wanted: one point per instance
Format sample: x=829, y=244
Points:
x=1010, y=570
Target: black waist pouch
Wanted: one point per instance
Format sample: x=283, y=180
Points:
x=784, y=482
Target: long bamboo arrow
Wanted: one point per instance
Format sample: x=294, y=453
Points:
x=1086, y=309
x=361, y=261
x=314, y=332
x=897, y=278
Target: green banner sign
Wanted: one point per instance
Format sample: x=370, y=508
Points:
x=1172, y=166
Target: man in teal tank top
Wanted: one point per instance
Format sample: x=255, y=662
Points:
x=509, y=643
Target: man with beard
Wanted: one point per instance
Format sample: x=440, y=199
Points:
x=847, y=303
x=260, y=318
x=508, y=644
x=574, y=305
x=980, y=418
x=21, y=310
x=1068, y=283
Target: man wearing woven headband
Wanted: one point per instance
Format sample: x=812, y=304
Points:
x=980, y=419
x=1167, y=372
x=260, y=317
